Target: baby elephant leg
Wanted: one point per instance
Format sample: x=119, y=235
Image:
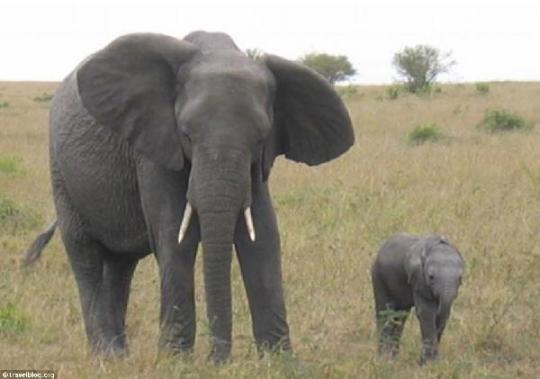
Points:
x=390, y=322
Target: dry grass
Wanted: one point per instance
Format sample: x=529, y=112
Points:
x=481, y=190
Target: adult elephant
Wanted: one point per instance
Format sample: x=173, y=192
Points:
x=151, y=128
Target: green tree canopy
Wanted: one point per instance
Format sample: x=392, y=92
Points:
x=420, y=65
x=333, y=67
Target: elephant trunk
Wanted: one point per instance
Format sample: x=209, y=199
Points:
x=217, y=231
x=219, y=190
x=446, y=298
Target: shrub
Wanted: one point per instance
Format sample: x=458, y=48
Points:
x=12, y=320
x=4, y=104
x=393, y=92
x=502, y=120
x=482, y=88
x=429, y=132
x=10, y=165
x=44, y=97
x=347, y=90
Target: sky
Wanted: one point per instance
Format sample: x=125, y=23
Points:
x=489, y=39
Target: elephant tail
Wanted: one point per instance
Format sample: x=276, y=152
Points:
x=34, y=251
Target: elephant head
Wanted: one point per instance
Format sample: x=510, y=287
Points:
x=201, y=105
x=435, y=269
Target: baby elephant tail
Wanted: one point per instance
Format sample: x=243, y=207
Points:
x=34, y=251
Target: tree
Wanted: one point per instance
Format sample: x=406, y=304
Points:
x=333, y=67
x=254, y=53
x=420, y=65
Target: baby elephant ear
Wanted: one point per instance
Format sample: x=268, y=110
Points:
x=414, y=266
x=129, y=87
x=313, y=123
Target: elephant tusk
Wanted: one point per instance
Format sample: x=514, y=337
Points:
x=249, y=224
x=185, y=222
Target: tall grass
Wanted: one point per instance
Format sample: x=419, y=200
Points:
x=332, y=220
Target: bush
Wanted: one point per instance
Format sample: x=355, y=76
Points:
x=44, y=97
x=501, y=120
x=10, y=165
x=393, y=92
x=482, y=88
x=12, y=320
x=346, y=91
x=429, y=132
x=4, y=104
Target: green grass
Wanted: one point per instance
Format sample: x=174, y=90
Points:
x=8, y=210
x=10, y=165
x=12, y=320
x=15, y=219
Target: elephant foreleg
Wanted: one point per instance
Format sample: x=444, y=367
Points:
x=426, y=312
x=163, y=197
x=177, y=315
x=260, y=264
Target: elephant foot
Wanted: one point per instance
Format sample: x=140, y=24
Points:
x=220, y=353
x=288, y=363
x=171, y=345
x=110, y=350
x=388, y=352
x=282, y=347
x=426, y=358
x=182, y=352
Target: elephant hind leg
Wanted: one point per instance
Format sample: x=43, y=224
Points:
x=104, y=283
x=390, y=322
x=117, y=275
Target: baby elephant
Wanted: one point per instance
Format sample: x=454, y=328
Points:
x=422, y=271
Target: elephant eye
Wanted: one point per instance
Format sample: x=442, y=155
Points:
x=431, y=277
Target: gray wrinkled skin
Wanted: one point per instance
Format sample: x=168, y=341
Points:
x=420, y=271
x=152, y=122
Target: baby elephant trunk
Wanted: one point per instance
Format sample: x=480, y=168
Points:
x=446, y=298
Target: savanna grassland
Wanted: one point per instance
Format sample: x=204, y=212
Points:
x=481, y=190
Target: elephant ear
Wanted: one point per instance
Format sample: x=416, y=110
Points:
x=129, y=87
x=414, y=266
x=312, y=123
